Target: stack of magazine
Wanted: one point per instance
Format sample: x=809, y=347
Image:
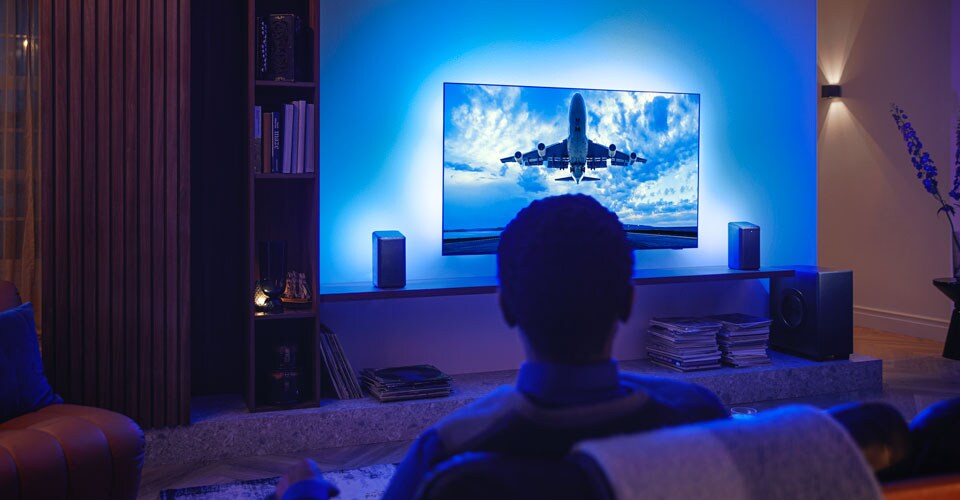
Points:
x=684, y=344
x=406, y=382
x=743, y=339
x=342, y=376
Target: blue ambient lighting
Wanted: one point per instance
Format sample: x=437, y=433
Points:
x=382, y=68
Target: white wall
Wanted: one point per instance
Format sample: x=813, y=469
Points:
x=382, y=66
x=874, y=215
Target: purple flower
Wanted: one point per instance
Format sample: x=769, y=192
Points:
x=927, y=169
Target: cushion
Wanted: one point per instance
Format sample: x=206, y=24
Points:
x=23, y=388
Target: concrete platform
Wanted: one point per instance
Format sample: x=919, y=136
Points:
x=223, y=428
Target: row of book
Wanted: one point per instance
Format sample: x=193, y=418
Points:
x=703, y=343
x=284, y=141
x=341, y=374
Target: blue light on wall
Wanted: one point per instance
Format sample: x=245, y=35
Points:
x=382, y=68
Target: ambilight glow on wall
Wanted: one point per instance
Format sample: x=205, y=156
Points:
x=638, y=153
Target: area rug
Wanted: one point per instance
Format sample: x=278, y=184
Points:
x=355, y=484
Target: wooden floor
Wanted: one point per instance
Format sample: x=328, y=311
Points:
x=891, y=347
x=915, y=375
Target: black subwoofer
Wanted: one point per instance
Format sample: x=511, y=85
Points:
x=812, y=313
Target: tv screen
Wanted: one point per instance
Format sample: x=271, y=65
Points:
x=637, y=153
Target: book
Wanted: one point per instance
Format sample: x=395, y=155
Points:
x=301, y=111
x=262, y=47
x=275, y=154
x=282, y=34
x=310, y=131
x=266, y=161
x=740, y=321
x=287, y=138
x=256, y=146
x=295, y=138
x=691, y=325
x=743, y=339
x=684, y=344
x=681, y=365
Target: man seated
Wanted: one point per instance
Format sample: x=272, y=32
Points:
x=565, y=269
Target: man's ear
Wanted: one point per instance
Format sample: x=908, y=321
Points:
x=507, y=313
x=627, y=305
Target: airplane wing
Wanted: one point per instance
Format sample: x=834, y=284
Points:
x=597, y=156
x=558, y=150
x=621, y=159
x=553, y=154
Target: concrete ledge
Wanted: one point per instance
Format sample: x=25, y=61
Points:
x=222, y=427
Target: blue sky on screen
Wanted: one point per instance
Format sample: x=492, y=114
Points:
x=483, y=123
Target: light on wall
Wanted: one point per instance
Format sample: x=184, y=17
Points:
x=830, y=91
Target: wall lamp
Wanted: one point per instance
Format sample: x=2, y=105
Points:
x=830, y=91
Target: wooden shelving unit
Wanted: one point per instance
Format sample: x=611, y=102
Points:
x=282, y=207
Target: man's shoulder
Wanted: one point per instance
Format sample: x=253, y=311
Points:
x=474, y=418
x=678, y=395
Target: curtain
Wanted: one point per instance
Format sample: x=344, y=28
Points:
x=19, y=148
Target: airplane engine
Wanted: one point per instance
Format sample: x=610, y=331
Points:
x=633, y=157
x=613, y=150
x=518, y=156
x=541, y=150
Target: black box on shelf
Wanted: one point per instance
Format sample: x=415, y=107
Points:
x=743, y=241
x=389, y=259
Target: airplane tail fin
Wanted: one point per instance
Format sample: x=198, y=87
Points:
x=565, y=179
x=585, y=178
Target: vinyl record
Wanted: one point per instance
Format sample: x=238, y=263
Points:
x=409, y=373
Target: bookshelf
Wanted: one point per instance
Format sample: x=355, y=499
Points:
x=282, y=206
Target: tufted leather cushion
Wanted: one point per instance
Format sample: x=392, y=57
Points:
x=70, y=451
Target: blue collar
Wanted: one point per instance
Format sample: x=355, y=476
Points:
x=558, y=385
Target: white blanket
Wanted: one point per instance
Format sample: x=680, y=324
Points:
x=796, y=452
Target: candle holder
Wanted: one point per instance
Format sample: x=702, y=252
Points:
x=272, y=257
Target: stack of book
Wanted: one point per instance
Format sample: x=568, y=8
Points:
x=743, y=339
x=342, y=376
x=285, y=139
x=406, y=382
x=684, y=344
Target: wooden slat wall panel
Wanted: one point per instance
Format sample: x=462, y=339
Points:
x=116, y=204
x=131, y=233
x=185, y=214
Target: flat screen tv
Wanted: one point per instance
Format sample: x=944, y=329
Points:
x=637, y=153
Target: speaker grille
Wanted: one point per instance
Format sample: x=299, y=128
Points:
x=791, y=308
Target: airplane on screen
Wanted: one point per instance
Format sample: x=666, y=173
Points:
x=576, y=151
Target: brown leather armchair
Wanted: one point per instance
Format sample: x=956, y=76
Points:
x=68, y=451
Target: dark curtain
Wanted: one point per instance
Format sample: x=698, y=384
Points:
x=19, y=148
